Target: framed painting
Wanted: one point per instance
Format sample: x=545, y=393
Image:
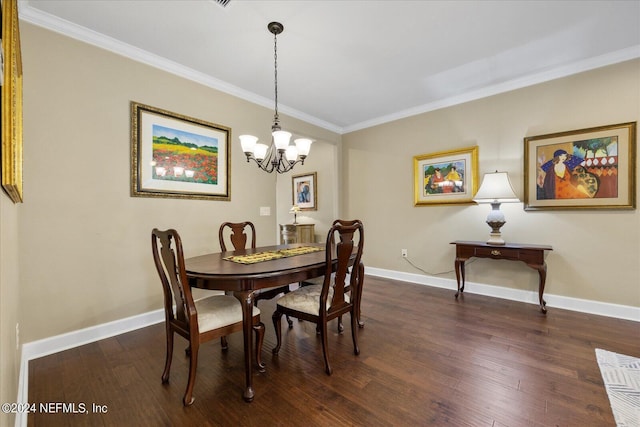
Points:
x=305, y=191
x=175, y=156
x=11, y=122
x=590, y=168
x=446, y=177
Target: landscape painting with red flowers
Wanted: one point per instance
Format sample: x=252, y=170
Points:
x=178, y=156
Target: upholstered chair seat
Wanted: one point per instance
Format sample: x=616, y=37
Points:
x=307, y=299
x=219, y=311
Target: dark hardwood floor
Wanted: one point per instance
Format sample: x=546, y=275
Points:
x=426, y=359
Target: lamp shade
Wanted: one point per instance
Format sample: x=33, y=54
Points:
x=304, y=146
x=281, y=139
x=496, y=188
x=248, y=143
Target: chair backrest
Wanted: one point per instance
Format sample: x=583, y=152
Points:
x=169, y=260
x=348, y=249
x=236, y=233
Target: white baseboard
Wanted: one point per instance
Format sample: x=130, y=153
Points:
x=44, y=347
x=575, y=304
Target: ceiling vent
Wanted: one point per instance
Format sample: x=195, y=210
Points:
x=223, y=3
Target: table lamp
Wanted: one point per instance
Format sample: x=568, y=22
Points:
x=294, y=210
x=496, y=189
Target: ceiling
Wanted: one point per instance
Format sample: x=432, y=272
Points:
x=347, y=65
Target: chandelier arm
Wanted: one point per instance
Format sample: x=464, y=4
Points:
x=278, y=163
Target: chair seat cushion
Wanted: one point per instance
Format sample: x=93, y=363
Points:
x=219, y=311
x=306, y=299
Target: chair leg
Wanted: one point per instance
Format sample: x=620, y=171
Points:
x=325, y=350
x=169, y=356
x=224, y=344
x=187, y=400
x=340, y=325
x=276, y=324
x=289, y=321
x=259, y=330
x=354, y=331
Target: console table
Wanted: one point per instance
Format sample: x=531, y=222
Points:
x=532, y=255
x=297, y=233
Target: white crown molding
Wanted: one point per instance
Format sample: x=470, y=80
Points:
x=69, y=29
x=622, y=55
x=53, y=23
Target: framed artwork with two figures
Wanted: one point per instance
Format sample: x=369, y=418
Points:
x=445, y=177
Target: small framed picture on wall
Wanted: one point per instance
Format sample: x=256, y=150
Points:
x=305, y=191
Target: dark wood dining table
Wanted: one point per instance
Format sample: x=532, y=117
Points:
x=212, y=271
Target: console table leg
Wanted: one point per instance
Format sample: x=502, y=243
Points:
x=459, y=266
x=542, y=271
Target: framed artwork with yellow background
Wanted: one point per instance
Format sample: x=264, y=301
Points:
x=446, y=177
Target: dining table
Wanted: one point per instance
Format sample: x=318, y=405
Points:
x=215, y=271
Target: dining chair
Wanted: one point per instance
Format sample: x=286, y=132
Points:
x=323, y=303
x=198, y=321
x=320, y=280
x=236, y=234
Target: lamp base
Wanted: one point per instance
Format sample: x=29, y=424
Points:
x=495, y=220
x=495, y=239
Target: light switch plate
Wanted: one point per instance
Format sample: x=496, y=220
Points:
x=265, y=211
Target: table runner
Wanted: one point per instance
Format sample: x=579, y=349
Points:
x=270, y=255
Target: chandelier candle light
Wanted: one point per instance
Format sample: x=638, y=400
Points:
x=496, y=189
x=279, y=156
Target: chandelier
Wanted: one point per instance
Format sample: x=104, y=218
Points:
x=279, y=156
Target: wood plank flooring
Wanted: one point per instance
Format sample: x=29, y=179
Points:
x=426, y=360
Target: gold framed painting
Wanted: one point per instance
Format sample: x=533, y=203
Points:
x=11, y=121
x=446, y=177
x=591, y=168
x=175, y=156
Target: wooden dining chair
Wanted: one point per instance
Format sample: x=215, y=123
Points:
x=323, y=303
x=197, y=321
x=236, y=234
x=347, y=289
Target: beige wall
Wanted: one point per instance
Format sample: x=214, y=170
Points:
x=9, y=298
x=596, y=254
x=85, y=256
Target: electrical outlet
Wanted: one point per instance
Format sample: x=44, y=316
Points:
x=17, y=336
x=404, y=253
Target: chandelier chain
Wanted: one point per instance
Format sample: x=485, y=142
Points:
x=276, y=119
